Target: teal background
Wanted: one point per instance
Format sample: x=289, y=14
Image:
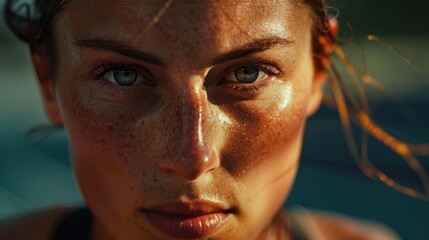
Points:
x=35, y=170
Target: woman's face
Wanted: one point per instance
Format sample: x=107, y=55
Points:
x=189, y=124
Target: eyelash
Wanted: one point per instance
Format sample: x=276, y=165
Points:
x=268, y=67
x=107, y=67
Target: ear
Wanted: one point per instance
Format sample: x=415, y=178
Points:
x=322, y=64
x=43, y=65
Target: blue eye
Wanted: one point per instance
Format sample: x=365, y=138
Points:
x=246, y=74
x=125, y=77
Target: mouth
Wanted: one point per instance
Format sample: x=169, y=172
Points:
x=188, y=220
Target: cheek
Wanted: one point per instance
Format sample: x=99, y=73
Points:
x=268, y=133
x=110, y=157
x=262, y=152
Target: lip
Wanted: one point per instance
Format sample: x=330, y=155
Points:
x=187, y=220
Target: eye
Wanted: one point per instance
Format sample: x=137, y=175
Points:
x=246, y=74
x=123, y=76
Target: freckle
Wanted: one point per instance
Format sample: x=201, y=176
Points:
x=155, y=179
x=286, y=140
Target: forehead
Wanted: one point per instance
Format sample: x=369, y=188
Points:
x=193, y=8
x=222, y=24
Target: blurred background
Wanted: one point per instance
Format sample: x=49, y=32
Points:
x=35, y=169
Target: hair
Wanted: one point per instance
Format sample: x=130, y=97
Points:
x=32, y=23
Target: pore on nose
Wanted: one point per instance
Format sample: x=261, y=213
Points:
x=195, y=154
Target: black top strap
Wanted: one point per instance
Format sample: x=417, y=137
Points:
x=75, y=225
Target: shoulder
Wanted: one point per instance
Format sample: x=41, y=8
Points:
x=323, y=225
x=38, y=225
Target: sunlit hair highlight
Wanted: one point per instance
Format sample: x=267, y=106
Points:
x=355, y=110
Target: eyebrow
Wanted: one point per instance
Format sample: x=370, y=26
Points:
x=115, y=46
x=258, y=45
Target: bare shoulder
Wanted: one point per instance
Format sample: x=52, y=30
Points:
x=323, y=225
x=37, y=225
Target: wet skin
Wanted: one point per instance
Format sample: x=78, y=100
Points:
x=187, y=129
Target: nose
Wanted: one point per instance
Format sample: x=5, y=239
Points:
x=194, y=154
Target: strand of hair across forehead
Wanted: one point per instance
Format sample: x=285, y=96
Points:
x=155, y=19
x=355, y=109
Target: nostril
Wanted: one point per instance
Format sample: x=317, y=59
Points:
x=168, y=171
x=181, y=172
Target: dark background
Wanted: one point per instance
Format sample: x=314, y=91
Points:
x=384, y=17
